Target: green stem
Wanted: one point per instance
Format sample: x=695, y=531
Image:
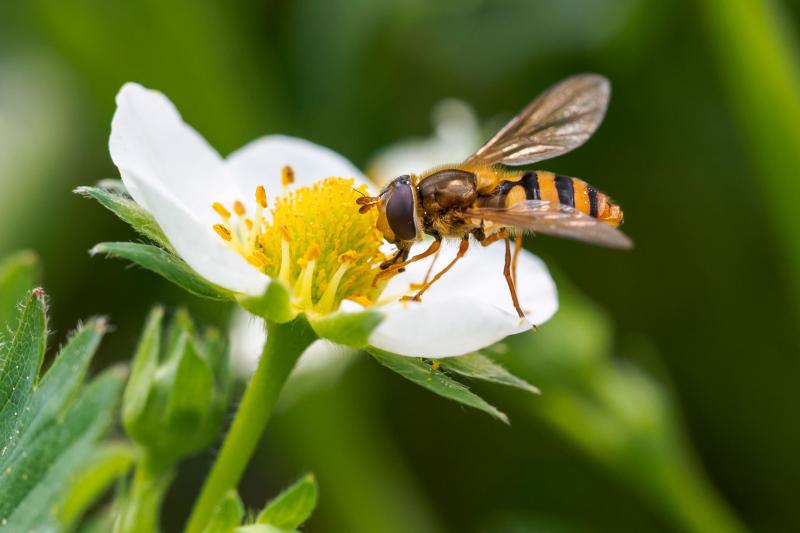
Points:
x=141, y=509
x=285, y=343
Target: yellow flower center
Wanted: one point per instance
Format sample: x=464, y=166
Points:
x=315, y=242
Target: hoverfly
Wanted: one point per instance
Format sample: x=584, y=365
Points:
x=482, y=199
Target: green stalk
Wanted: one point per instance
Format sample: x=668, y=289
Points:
x=285, y=343
x=141, y=507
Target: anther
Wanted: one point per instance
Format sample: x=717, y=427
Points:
x=261, y=196
x=222, y=231
x=287, y=175
x=348, y=257
x=238, y=208
x=221, y=211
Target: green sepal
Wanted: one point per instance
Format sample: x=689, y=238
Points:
x=166, y=264
x=428, y=376
x=293, y=506
x=227, y=515
x=348, y=329
x=19, y=273
x=112, y=195
x=274, y=305
x=477, y=366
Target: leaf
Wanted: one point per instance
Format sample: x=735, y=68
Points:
x=107, y=465
x=18, y=274
x=262, y=528
x=112, y=195
x=291, y=507
x=20, y=359
x=165, y=264
x=424, y=375
x=50, y=430
x=43, y=472
x=227, y=515
x=478, y=366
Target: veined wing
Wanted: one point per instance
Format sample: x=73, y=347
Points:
x=559, y=120
x=555, y=219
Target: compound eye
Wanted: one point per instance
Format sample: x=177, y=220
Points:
x=400, y=213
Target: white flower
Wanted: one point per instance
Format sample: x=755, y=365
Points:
x=312, y=242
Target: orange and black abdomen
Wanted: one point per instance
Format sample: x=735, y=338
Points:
x=555, y=188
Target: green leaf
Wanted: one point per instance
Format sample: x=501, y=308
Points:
x=227, y=515
x=291, y=507
x=18, y=274
x=20, y=359
x=50, y=430
x=112, y=195
x=478, y=366
x=417, y=371
x=107, y=465
x=41, y=475
x=164, y=263
x=348, y=329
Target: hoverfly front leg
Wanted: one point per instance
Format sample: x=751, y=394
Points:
x=462, y=250
x=392, y=269
x=417, y=286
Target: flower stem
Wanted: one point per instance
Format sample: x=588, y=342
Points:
x=142, y=505
x=285, y=343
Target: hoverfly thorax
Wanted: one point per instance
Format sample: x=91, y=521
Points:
x=398, y=213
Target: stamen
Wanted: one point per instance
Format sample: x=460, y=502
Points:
x=302, y=288
x=285, y=273
x=325, y=304
x=238, y=208
x=287, y=175
x=261, y=196
x=222, y=231
x=221, y=211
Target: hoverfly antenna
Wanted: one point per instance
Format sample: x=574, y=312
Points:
x=367, y=203
x=359, y=191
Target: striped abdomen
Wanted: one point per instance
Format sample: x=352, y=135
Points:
x=543, y=185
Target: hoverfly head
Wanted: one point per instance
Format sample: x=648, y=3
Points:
x=397, y=210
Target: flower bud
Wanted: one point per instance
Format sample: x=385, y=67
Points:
x=178, y=390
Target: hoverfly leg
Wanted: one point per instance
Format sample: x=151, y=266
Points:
x=417, y=286
x=494, y=237
x=462, y=250
x=392, y=269
x=517, y=248
x=399, y=256
x=510, y=280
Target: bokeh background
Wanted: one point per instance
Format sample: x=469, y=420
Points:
x=669, y=379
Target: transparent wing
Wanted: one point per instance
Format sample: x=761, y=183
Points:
x=559, y=120
x=550, y=218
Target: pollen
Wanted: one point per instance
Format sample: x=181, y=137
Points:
x=312, y=239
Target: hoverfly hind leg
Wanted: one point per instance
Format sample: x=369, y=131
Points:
x=510, y=279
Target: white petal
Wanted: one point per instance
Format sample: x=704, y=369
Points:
x=198, y=244
x=261, y=162
x=150, y=142
x=467, y=309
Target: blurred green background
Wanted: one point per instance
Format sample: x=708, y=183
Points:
x=696, y=329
